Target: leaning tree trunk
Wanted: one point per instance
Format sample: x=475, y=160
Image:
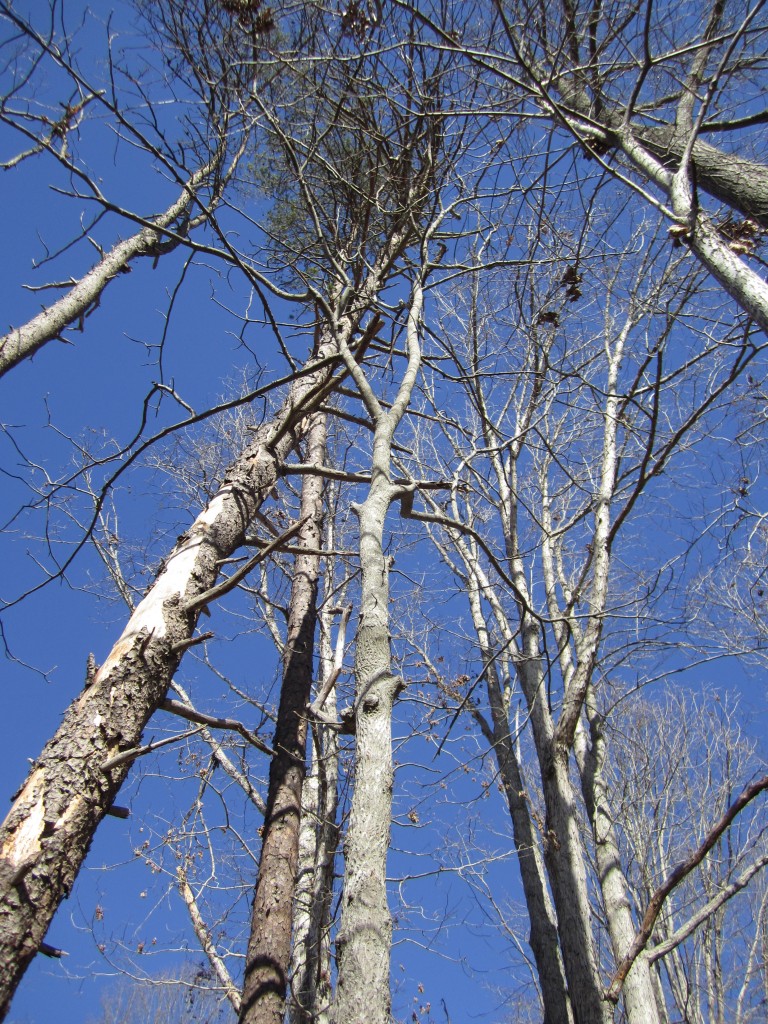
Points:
x=49, y=324
x=46, y=835
x=269, y=948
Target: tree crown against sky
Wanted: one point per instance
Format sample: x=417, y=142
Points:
x=497, y=253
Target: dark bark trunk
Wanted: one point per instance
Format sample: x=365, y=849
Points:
x=269, y=948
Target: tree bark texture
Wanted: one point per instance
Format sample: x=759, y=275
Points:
x=269, y=947
x=564, y=857
x=365, y=935
x=740, y=184
x=639, y=992
x=318, y=844
x=46, y=835
x=543, y=938
x=563, y=851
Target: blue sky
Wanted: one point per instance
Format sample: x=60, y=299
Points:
x=91, y=391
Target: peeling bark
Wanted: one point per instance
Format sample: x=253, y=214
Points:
x=46, y=835
x=48, y=831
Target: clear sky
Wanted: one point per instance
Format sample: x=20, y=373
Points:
x=124, y=914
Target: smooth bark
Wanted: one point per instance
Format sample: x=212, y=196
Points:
x=639, y=992
x=543, y=938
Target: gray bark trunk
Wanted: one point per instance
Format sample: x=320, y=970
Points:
x=639, y=993
x=23, y=342
x=365, y=935
x=543, y=938
x=563, y=851
x=740, y=184
x=564, y=858
x=269, y=947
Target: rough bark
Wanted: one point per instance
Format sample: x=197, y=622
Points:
x=365, y=935
x=318, y=844
x=46, y=835
x=740, y=184
x=564, y=857
x=269, y=946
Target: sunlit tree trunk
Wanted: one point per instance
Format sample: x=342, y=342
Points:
x=543, y=938
x=47, y=833
x=365, y=934
x=639, y=992
x=319, y=835
x=269, y=947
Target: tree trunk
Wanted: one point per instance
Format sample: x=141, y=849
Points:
x=563, y=851
x=740, y=184
x=45, y=837
x=564, y=857
x=269, y=947
x=638, y=992
x=318, y=843
x=365, y=935
x=543, y=938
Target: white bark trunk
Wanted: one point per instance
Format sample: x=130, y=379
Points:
x=639, y=992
